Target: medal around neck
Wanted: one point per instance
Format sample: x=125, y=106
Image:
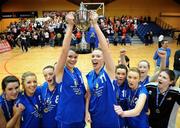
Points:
x=157, y=111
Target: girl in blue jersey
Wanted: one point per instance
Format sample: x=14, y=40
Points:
x=144, y=67
x=136, y=102
x=31, y=100
x=100, y=83
x=9, y=112
x=50, y=98
x=121, y=85
x=71, y=106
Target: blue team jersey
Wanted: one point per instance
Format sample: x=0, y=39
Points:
x=140, y=121
x=7, y=107
x=121, y=97
x=146, y=81
x=31, y=116
x=71, y=106
x=50, y=101
x=102, y=100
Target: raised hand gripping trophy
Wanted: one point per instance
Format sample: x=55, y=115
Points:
x=82, y=22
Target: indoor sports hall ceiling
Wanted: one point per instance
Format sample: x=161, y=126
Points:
x=77, y=2
x=2, y=2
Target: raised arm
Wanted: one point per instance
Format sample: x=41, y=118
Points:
x=109, y=64
x=122, y=57
x=162, y=55
x=59, y=70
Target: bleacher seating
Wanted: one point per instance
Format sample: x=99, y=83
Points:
x=127, y=39
x=142, y=29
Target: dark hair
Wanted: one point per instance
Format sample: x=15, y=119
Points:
x=49, y=66
x=7, y=80
x=122, y=66
x=127, y=60
x=171, y=75
x=146, y=62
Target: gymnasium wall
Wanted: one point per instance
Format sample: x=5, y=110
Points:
x=151, y=8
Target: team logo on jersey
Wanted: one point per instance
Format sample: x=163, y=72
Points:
x=150, y=92
x=169, y=98
x=36, y=106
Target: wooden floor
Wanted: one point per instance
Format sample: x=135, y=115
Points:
x=16, y=62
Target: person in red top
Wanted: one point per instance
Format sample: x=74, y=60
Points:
x=123, y=35
x=78, y=36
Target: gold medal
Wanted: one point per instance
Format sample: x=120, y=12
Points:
x=97, y=85
x=157, y=111
x=46, y=110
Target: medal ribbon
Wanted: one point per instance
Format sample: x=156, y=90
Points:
x=7, y=107
x=132, y=100
x=157, y=98
x=31, y=102
x=45, y=100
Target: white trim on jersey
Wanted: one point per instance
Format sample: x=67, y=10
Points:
x=173, y=116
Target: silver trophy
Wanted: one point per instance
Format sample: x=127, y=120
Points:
x=81, y=18
x=82, y=22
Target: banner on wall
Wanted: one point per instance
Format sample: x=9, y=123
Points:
x=55, y=13
x=4, y=46
x=25, y=14
x=7, y=15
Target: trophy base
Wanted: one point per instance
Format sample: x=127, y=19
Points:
x=83, y=48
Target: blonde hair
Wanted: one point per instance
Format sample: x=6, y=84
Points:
x=134, y=69
x=26, y=74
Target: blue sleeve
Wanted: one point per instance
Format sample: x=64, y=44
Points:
x=20, y=100
x=169, y=52
x=155, y=56
x=38, y=90
x=1, y=101
x=144, y=91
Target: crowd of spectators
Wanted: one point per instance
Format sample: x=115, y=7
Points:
x=33, y=32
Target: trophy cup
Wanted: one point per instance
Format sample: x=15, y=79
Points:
x=82, y=22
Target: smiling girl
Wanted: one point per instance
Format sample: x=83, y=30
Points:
x=100, y=83
x=31, y=100
x=71, y=106
x=50, y=98
x=9, y=112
